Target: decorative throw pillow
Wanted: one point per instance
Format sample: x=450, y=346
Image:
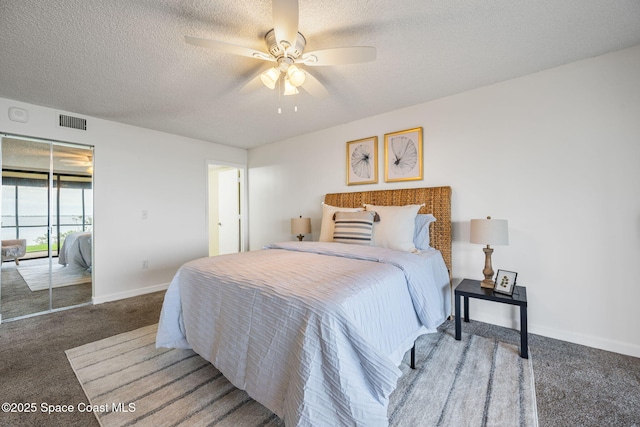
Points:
x=354, y=227
x=421, y=234
x=326, y=227
x=396, y=227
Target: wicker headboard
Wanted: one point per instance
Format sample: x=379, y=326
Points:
x=437, y=201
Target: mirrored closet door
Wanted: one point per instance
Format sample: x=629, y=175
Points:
x=47, y=222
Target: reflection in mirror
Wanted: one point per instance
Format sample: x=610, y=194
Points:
x=72, y=228
x=47, y=210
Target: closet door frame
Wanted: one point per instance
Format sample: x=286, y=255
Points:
x=53, y=191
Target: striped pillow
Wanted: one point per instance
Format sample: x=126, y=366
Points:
x=354, y=227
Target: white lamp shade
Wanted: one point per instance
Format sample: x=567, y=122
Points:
x=270, y=77
x=289, y=89
x=490, y=231
x=296, y=76
x=300, y=225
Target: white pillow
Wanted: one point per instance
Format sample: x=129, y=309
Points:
x=396, y=227
x=327, y=225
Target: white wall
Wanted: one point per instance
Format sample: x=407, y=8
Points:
x=137, y=169
x=556, y=153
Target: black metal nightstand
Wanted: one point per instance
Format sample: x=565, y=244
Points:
x=471, y=289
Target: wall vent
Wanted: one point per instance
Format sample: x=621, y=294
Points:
x=72, y=122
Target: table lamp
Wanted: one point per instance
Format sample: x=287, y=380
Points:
x=300, y=226
x=489, y=232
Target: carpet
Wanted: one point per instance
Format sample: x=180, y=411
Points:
x=473, y=382
x=37, y=276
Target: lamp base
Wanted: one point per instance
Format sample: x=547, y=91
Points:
x=487, y=283
x=300, y=237
x=488, y=270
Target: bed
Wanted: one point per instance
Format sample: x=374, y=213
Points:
x=315, y=331
x=76, y=250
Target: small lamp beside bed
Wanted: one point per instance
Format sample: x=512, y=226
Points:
x=489, y=232
x=300, y=226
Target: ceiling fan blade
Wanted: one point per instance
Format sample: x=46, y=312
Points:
x=285, y=21
x=228, y=48
x=253, y=84
x=314, y=87
x=339, y=56
x=71, y=162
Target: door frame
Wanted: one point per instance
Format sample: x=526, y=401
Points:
x=244, y=237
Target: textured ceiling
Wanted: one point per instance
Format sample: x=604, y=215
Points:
x=127, y=61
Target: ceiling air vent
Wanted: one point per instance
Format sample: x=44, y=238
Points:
x=72, y=122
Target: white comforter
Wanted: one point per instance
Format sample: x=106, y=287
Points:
x=313, y=331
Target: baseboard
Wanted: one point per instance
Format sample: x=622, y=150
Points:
x=130, y=293
x=614, y=346
x=589, y=340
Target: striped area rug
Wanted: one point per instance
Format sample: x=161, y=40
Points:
x=473, y=382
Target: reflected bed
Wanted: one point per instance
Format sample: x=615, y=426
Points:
x=76, y=250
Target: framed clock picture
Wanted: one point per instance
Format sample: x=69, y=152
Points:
x=362, y=161
x=403, y=155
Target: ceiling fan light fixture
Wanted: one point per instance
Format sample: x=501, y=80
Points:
x=289, y=89
x=270, y=77
x=296, y=76
x=286, y=46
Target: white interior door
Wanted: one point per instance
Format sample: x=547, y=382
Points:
x=228, y=211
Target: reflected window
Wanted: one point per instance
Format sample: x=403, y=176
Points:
x=25, y=198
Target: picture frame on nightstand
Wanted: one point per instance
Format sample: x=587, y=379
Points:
x=505, y=282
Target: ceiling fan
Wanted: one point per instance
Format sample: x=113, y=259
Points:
x=77, y=160
x=286, y=48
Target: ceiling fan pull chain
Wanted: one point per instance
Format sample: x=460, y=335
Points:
x=279, y=96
